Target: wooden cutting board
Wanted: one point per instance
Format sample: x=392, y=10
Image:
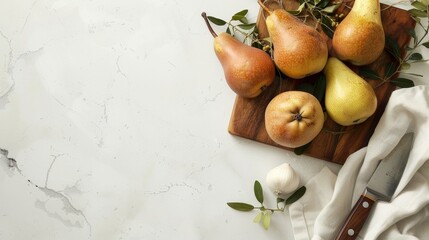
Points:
x=334, y=143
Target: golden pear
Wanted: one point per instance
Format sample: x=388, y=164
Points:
x=248, y=70
x=349, y=99
x=299, y=50
x=359, y=38
x=293, y=118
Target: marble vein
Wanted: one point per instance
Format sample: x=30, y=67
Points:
x=170, y=187
x=9, y=64
x=200, y=170
x=28, y=15
x=118, y=68
x=28, y=53
x=50, y=168
x=212, y=99
x=67, y=205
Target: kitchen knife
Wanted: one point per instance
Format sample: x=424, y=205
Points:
x=381, y=186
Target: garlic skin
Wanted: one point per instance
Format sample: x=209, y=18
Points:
x=282, y=179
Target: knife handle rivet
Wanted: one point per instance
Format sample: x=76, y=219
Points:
x=365, y=204
x=351, y=232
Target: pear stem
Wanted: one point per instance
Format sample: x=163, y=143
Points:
x=264, y=7
x=298, y=117
x=204, y=15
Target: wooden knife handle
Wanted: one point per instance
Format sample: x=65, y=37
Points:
x=356, y=219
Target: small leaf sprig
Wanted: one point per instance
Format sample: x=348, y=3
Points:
x=264, y=215
x=321, y=11
x=240, y=27
x=418, y=12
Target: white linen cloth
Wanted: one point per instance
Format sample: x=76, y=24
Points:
x=320, y=213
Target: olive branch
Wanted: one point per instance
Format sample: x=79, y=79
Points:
x=264, y=215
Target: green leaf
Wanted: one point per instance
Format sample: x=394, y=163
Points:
x=216, y=21
x=322, y=4
x=305, y=87
x=413, y=33
x=259, y=194
x=415, y=74
x=390, y=70
x=414, y=36
x=425, y=2
x=405, y=66
x=311, y=6
x=240, y=15
x=416, y=56
x=242, y=12
x=246, y=26
x=244, y=20
x=367, y=72
x=417, y=20
x=296, y=195
x=327, y=27
x=392, y=47
x=266, y=220
x=258, y=218
x=298, y=10
x=403, y=82
x=419, y=5
x=228, y=30
x=301, y=150
x=331, y=8
x=239, y=206
x=426, y=44
x=418, y=13
x=320, y=87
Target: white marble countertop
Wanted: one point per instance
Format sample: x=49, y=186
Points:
x=117, y=118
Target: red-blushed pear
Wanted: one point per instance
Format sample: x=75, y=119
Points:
x=299, y=50
x=359, y=38
x=248, y=70
x=293, y=118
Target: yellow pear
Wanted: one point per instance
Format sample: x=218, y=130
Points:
x=299, y=50
x=359, y=38
x=349, y=99
x=248, y=70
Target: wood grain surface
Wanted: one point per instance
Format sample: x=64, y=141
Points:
x=334, y=143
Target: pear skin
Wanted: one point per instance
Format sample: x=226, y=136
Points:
x=248, y=70
x=359, y=38
x=293, y=118
x=299, y=50
x=349, y=99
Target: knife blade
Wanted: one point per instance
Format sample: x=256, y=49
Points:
x=381, y=186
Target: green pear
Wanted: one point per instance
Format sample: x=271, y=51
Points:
x=359, y=38
x=248, y=70
x=299, y=50
x=349, y=99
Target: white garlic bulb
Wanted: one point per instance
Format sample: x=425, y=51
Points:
x=282, y=179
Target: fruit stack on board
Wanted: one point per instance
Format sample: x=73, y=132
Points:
x=335, y=142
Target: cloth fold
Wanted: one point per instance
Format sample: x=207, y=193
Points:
x=305, y=212
x=406, y=216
